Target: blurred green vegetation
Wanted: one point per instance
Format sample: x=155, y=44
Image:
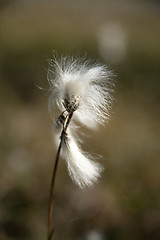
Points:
x=126, y=202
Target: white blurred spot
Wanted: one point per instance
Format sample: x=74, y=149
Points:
x=95, y=235
x=112, y=41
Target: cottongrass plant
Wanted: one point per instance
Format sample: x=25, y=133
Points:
x=81, y=92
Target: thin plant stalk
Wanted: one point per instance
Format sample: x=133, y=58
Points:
x=50, y=212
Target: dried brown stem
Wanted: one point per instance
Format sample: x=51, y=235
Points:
x=50, y=212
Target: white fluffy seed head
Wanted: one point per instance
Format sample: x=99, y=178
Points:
x=83, y=87
x=83, y=90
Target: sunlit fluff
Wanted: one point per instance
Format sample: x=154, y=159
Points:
x=82, y=170
x=91, y=83
x=84, y=90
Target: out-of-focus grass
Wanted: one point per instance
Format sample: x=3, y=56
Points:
x=126, y=202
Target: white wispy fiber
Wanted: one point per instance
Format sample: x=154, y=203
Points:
x=84, y=90
x=82, y=170
x=89, y=84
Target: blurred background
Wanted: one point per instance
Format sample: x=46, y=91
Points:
x=125, y=204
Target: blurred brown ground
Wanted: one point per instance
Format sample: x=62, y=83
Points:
x=126, y=202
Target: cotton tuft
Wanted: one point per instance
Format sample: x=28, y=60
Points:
x=82, y=170
x=83, y=91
